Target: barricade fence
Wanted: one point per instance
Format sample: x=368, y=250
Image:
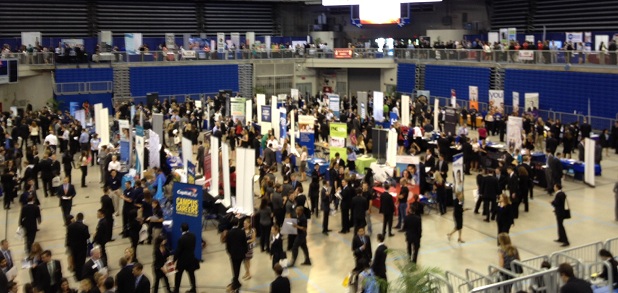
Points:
x=545, y=281
x=588, y=253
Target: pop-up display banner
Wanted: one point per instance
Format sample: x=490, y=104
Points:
x=338, y=134
x=306, y=125
x=187, y=201
x=473, y=95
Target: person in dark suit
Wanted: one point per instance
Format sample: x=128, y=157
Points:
x=347, y=193
x=301, y=238
x=161, y=253
x=102, y=233
x=442, y=167
x=422, y=176
x=339, y=161
x=513, y=189
x=325, y=202
x=184, y=256
x=29, y=219
x=504, y=214
x=560, y=206
x=5, y=254
x=270, y=157
x=4, y=282
x=48, y=273
x=556, y=170
x=67, y=165
x=281, y=284
x=414, y=231
x=66, y=193
x=107, y=205
x=359, y=208
x=571, y=283
x=45, y=166
x=125, y=281
x=276, y=245
x=551, y=143
x=142, y=284
x=93, y=265
x=387, y=209
x=430, y=159
x=77, y=242
x=491, y=191
x=379, y=259
x=361, y=245
x=236, y=246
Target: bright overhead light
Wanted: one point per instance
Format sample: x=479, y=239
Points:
x=361, y=2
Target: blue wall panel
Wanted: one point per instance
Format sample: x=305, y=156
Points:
x=441, y=79
x=566, y=91
x=84, y=75
x=169, y=80
x=406, y=77
x=105, y=99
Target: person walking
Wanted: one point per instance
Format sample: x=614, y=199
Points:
x=379, y=259
x=276, y=246
x=266, y=221
x=414, y=231
x=402, y=203
x=440, y=189
x=103, y=232
x=562, y=211
x=29, y=219
x=184, y=256
x=77, y=242
x=301, y=237
x=504, y=214
x=325, y=202
x=458, y=217
x=236, y=246
x=250, y=236
x=281, y=284
x=387, y=209
x=161, y=253
x=83, y=159
x=66, y=193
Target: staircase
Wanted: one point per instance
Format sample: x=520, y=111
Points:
x=420, y=77
x=122, y=81
x=245, y=80
x=497, y=77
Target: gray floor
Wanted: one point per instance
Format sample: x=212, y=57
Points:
x=533, y=234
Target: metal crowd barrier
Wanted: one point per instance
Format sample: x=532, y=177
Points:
x=611, y=245
x=532, y=263
x=440, y=284
x=458, y=283
x=579, y=266
x=545, y=281
x=476, y=279
x=588, y=253
x=598, y=268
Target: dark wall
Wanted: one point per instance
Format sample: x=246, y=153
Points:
x=170, y=80
x=406, y=78
x=363, y=79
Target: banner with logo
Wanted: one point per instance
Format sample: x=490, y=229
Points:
x=132, y=42
x=220, y=42
x=266, y=119
x=496, y=101
x=361, y=98
x=238, y=108
x=250, y=39
x=451, y=119
x=295, y=94
x=504, y=36
x=526, y=55
x=306, y=124
x=512, y=34
x=338, y=134
x=190, y=173
x=235, y=38
x=473, y=95
x=531, y=100
x=170, y=40
x=514, y=128
x=574, y=37
x=283, y=124
x=187, y=201
x=139, y=150
x=333, y=104
x=154, y=146
x=515, y=101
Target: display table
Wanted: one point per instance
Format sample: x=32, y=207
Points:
x=578, y=168
x=174, y=162
x=322, y=148
x=394, y=190
x=381, y=172
x=363, y=162
x=311, y=165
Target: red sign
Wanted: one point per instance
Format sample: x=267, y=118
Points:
x=343, y=53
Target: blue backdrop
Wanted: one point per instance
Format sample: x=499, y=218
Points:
x=169, y=80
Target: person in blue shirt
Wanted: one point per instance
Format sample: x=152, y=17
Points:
x=84, y=141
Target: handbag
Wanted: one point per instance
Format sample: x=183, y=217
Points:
x=567, y=211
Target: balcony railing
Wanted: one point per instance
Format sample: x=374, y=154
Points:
x=539, y=57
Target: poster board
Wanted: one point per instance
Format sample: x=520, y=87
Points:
x=531, y=100
x=453, y=98
x=31, y=38
x=496, y=101
x=405, y=109
x=265, y=119
x=451, y=119
x=361, y=104
x=139, y=150
x=338, y=135
x=458, y=174
x=306, y=124
x=334, y=104
x=514, y=128
x=187, y=201
x=473, y=96
x=132, y=42
x=154, y=146
x=238, y=109
x=515, y=101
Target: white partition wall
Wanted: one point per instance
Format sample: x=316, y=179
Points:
x=391, y=148
x=589, y=145
x=249, y=111
x=97, y=118
x=157, y=124
x=225, y=161
x=104, y=121
x=187, y=152
x=244, y=180
x=261, y=101
x=405, y=110
x=378, y=106
x=436, y=112
x=214, y=167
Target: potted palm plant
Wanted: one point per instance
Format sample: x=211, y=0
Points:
x=412, y=278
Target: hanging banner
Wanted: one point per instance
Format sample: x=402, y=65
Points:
x=187, y=152
x=220, y=42
x=250, y=39
x=31, y=39
x=170, y=40
x=306, y=125
x=453, y=98
x=493, y=37
x=187, y=200
x=496, y=101
x=531, y=101
x=515, y=101
x=125, y=140
x=574, y=37
x=405, y=109
x=235, y=39
x=451, y=119
x=266, y=114
x=207, y=161
x=132, y=42
x=333, y=104
x=504, y=36
x=190, y=173
x=225, y=168
x=125, y=150
x=238, y=108
x=260, y=99
x=530, y=38
x=589, y=149
x=283, y=124
x=514, y=128
x=338, y=134
x=378, y=106
x=154, y=146
x=393, y=118
x=139, y=150
x=512, y=34
x=473, y=95
x=294, y=93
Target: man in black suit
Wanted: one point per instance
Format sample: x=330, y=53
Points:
x=430, y=159
x=379, y=260
x=585, y=129
x=236, y=246
x=93, y=265
x=571, y=283
x=107, y=205
x=48, y=273
x=325, y=202
x=301, y=237
x=414, y=232
x=359, y=208
x=554, y=164
x=5, y=254
x=491, y=191
x=142, y=284
x=29, y=219
x=46, y=168
x=184, y=256
x=347, y=193
x=559, y=203
x=339, y=160
x=551, y=143
x=125, y=281
x=422, y=176
x=513, y=188
x=281, y=284
x=102, y=234
x=269, y=155
x=361, y=245
x=387, y=209
x=77, y=242
x=66, y=193
x=442, y=166
x=4, y=282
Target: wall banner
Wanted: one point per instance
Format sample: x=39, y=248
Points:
x=237, y=109
x=473, y=95
x=283, y=124
x=531, y=100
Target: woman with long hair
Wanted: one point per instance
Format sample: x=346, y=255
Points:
x=458, y=217
x=524, y=185
x=440, y=189
x=83, y=159
x=504, y=217
x=507, y=253
x=250, y=234
x=266, y=220
x=34, y=133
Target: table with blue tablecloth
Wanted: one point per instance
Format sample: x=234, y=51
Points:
x=363, y=162
x=311, y=164
x=174, y=162
x=578, y=168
